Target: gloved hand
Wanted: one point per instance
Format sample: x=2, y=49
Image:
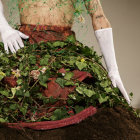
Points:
x=105, y=40
x=10, y=37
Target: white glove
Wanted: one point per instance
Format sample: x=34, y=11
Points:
x=105, y=40
x=10, y=37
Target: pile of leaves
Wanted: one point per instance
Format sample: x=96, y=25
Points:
x=23, y=95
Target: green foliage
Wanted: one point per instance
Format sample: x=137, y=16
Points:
x=61, y=82
x=44, y=60
x=103, y=98
x=68, y=75
x=70, y=39
x=78, y=108
x=59, y=114
x=2, y=75
x=2, y=120
x=32, y=59
x=85, y=91
x=26, y=96
x=80, y=65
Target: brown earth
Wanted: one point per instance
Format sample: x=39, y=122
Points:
x=108, y=123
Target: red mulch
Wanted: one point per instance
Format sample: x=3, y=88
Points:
x=45, y=125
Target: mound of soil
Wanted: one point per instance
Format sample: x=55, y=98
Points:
x=108, y=123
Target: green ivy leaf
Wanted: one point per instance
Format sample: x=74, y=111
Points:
x=80, y=90
x=72, y=96
x=19, y=92
x=105, y=83
x=13, y=90
x=5, y=59
x=19, y=81
x=58, y=43
x=80, y=65
x=13, y=106
x=69, y=83
x=103, y=98
x=52, y=99
x=2, y=75
x=43, y=77
x=46, y=101
x=24, y=73
x=61, y=82
x=27, y=94
x=43, y=84
x=21, y=66
x=24, y=108
x=78, y=108
x=96, y=70
x=89, y=92
x=70, y=38
x=2, y=120
x=72, y=60
x=108, y=89
x=53, y=118
x=68, y=75
x=70, y=102
x=5, y=109
x=32, y=59
x=60, y=113
x=4, y=92
x=44, y=60
x=87, y=51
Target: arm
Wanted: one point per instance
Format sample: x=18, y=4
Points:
x=10, y=37
x=99, y=20
x=104, y=36
x=103, y=32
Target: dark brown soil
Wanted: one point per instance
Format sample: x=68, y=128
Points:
x=107, y=124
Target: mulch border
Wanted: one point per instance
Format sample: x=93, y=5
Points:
x=45, y=125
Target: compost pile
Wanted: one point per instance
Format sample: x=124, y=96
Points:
x=24, y=79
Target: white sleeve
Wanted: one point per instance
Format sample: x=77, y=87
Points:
x=106, y=44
